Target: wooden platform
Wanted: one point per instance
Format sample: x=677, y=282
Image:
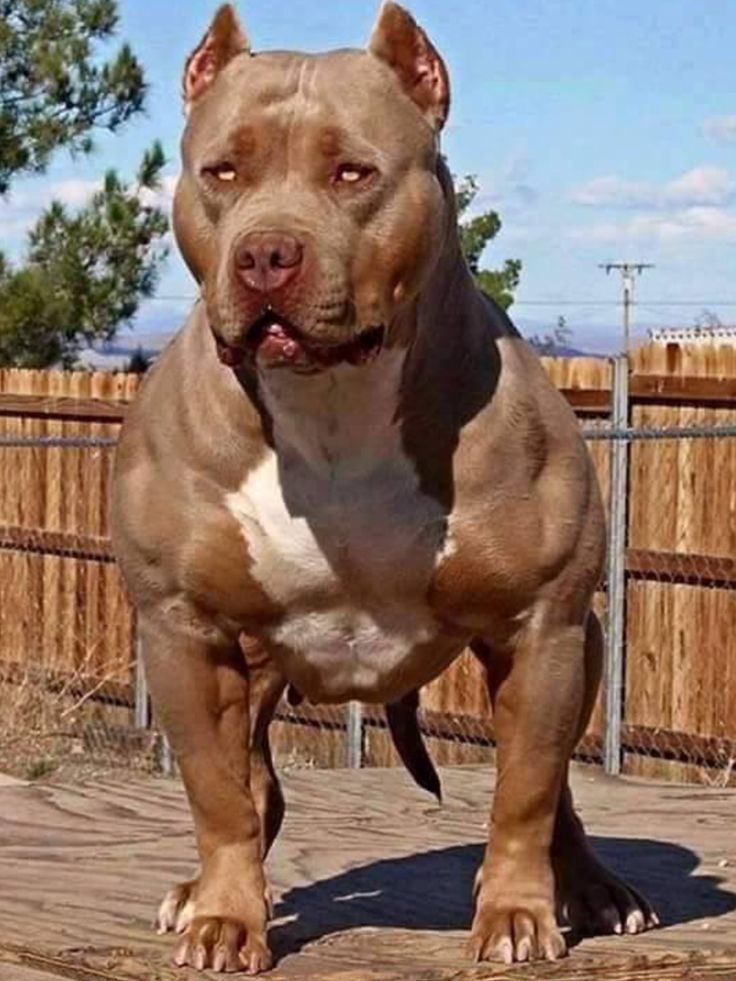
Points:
x=372, y=879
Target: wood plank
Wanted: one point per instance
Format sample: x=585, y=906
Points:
x=372, y=881
x=690, y=389
x=593, y=401
x=112, y=410
x=18, y=963
x=62, y=407
x=13, y=970
x=658, y=388
x=652, y=387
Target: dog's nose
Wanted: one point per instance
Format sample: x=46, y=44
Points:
x=267, y=261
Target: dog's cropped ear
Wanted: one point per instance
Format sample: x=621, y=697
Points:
x=398, y=40
x=223, y=41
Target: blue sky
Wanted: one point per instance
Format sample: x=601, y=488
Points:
x=599, y=129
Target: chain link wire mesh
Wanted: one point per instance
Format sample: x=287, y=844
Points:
x=679, y=678
x=71, y=685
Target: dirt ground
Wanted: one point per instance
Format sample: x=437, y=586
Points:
x=372, y=878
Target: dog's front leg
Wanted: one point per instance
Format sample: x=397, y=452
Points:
x=200, y=694
x=538, y=692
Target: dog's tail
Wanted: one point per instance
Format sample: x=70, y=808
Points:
x=403, y=725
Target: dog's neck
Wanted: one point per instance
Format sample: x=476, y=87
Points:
x=342, y=421
x=346, y=419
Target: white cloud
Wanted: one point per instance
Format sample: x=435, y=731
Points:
x=702, y=187
x=700, y=223
x=163, y=196
x=72, y=193
x=37, y=195
x=611, y=191
x=20, y=209
x=507, y=189
x=722, y=129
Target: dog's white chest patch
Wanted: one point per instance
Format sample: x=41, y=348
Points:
x=341, y=537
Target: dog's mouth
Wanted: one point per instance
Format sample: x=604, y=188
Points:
x=274, y=341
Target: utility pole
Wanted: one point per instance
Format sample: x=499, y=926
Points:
x=613, y=666
x=629, y=271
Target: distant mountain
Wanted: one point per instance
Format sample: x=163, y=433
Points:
x=115, y=354
x=574, y=352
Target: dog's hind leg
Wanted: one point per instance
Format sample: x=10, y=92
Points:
x=265, y=689
x=589, y=897
x=537, y=686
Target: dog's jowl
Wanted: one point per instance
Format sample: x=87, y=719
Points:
x=346, y=469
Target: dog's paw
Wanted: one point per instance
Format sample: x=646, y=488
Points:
x=592, y=900
x=524, y=932
x=218, y=944
x=176, y=911
x=177, y=908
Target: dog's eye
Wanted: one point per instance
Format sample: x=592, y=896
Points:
x=350, y=173
x=224, y=172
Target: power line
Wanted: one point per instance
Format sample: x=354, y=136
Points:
x=171, y=298
x=616, y=303
x=535, y=303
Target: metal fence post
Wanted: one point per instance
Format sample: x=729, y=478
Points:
x=142, y=701
x=615, y=638
x=168, y=763
x=144, y=716
x=355, y=735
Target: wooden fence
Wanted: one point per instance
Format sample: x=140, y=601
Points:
x=64, y=617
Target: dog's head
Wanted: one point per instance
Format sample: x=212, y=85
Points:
x=310, y=206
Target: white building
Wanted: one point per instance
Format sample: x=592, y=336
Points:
x=716, y=335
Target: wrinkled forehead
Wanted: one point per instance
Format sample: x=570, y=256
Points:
x=343, y=97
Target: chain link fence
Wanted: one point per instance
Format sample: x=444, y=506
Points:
x=671, y=679
x=74, y=696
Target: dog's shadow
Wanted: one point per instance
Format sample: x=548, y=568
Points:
x=432, y=891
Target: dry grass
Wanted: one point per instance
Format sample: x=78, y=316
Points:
x=52, y=721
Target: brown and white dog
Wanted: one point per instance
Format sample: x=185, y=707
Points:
x=347, y=468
